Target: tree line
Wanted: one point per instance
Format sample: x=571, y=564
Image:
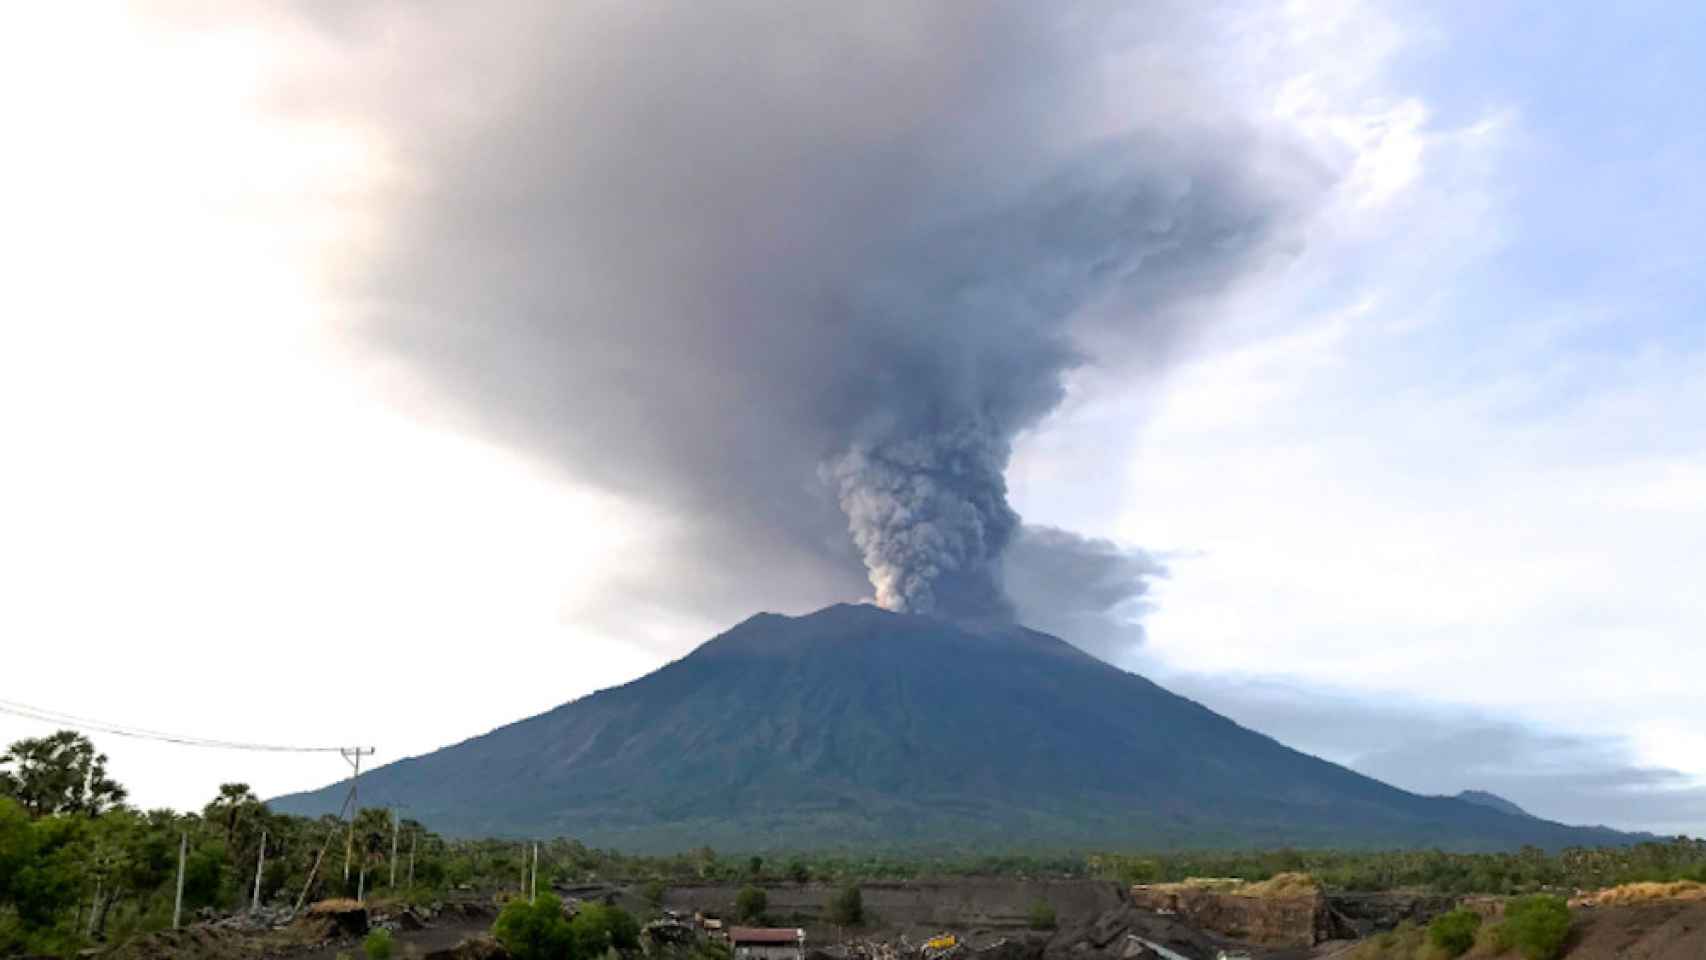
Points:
x=80, y=866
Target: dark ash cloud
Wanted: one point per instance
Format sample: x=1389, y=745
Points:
x=800, y=273
x=1091, y=590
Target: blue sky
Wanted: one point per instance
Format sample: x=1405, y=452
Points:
x=1429, y=483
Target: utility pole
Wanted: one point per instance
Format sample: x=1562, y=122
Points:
x=533, y=891
x=393, y=848
x=183, y=853
x=353, y=755
x=414, y=837
x=260, y=864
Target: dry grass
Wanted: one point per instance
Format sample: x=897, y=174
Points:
x=1282, y=885
x=1645, y=892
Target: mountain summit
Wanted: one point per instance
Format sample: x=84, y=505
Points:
x=858, y=726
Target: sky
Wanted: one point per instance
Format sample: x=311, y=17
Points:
x=379, y=378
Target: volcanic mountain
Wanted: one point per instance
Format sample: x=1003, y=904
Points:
x=854, y=726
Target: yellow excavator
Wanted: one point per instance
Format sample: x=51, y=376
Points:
x=938, y=947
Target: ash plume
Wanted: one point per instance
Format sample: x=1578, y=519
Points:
x=798, y=275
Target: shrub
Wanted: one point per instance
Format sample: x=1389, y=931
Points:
x=378, y=945
x=598, y=928
x=654, y=891
x=1536, y=926
x=848, y=907
x=536, y=930
x=1042, y=915
x=751, y=903
x=1454, y=932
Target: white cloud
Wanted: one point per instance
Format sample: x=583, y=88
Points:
x=213, y=523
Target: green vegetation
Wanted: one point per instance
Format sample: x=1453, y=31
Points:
x=79, y=867
x=1042, y=915
x=539, y=930
x=1534, y=926
x=1404, y=942
x=599, y=928
x=847, y=909
x=1454, y=933
x=536, y=930
x=378, y=945
x=750, y=904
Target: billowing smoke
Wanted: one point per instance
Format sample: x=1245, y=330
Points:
x=930, y=517
x=793, y=271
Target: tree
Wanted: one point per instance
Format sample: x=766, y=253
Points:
x=754, y=867
x=751, y=903
x=847, y=909
x=798, y=871
x=1042, y=915
x=1454, y=933
x=378, y=945
x=38, y=867
x=235, y=800
x=535, y=930
x=1536, y=926
x=598, y=927
x=56, y=774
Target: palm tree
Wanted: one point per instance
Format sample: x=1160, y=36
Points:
x=234, y=799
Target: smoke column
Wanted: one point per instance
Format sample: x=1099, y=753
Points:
x=797, y=275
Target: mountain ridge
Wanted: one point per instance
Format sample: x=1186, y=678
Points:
x=855, y=726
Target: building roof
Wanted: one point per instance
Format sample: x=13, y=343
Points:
x=766, y=935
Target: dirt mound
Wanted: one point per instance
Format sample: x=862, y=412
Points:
x=342, y=918
x=1657, y=930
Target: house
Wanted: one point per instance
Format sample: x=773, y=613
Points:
x=768, y=943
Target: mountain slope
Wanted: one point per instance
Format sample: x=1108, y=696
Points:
x=1492, y=800
x=854, y=725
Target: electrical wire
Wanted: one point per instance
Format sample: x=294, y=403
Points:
x=141, y=733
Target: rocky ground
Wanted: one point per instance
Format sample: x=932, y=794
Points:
x=324, y=931
x=1094, y=922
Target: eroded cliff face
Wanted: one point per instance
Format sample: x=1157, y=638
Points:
x=1299, y=917
x=1290, y=920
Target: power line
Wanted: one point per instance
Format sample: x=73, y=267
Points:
x=141, y=733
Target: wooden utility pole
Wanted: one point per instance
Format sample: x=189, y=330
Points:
x=183, y=854
x=260, y=864
x=353, y=755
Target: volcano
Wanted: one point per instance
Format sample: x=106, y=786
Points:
x=858, y=727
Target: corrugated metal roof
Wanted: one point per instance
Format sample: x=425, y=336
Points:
x=766, y=935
